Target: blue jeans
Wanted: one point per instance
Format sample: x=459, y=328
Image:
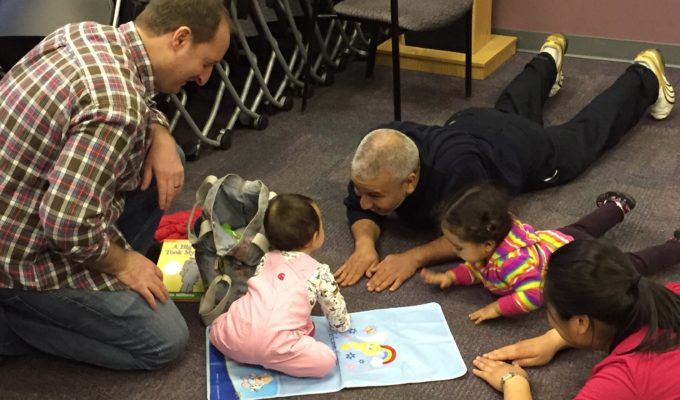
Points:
x=111, y=329
x=115, y=330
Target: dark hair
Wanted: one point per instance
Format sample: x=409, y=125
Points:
x=201, y=16
x=586, y=277
x=479, y=214
x=290, y=221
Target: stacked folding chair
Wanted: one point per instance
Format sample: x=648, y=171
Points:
x=273, y=74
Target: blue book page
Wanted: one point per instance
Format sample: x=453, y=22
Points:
x=255, y=382
x=396, y=346
x=382, y=347
x=218, y=382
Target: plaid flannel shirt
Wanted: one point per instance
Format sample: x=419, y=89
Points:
x=74, y=114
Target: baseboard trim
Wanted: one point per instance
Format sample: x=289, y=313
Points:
x=485, y=60
x=594, y=47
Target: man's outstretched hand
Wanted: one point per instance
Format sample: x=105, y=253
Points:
x=395, y=269
x=391, y=273
x=356, y=266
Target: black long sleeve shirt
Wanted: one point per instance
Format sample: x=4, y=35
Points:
x=483, y=145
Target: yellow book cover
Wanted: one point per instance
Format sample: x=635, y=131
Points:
x=180, y=271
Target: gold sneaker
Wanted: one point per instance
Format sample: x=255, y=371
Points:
x=556, y=45
x=653, y=60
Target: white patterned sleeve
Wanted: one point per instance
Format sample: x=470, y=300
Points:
x=259, y=266
x=325, y=290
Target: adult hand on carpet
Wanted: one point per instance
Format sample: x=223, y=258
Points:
x=503, y=377
x=531, y=352
x=356, y=266
x=391, y=272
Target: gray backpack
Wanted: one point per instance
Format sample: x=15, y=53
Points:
x=228, y=238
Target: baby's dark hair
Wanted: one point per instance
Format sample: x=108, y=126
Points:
x=479, y=214
x=290, y=221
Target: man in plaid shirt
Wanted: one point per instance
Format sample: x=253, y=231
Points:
x=87, y=163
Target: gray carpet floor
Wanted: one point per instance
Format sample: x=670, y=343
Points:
x=310, y=153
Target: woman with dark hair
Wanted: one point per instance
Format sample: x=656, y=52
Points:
x=634, y=319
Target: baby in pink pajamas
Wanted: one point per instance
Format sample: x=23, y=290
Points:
x=271, y=325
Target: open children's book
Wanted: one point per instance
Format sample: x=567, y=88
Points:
x=180, y=271
x=382, y=347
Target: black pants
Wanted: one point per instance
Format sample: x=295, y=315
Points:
x=647, y=261
x=516, y=124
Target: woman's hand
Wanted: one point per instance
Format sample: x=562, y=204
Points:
x=531, y=352
x=492, y=371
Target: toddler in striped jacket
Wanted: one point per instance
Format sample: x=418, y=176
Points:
x=510, y=258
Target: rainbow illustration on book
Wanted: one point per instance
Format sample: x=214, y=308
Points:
x=382, y=347
x=389, y=354
x=366, y=350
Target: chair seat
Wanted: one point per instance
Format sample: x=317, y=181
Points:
x=414, y=15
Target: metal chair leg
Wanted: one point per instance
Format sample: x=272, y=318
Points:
x=396, y=82
x=372, y=50
x=311, y=18
x=468, y=53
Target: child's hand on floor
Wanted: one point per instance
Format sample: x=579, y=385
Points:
x=443, y=279
x=490, y=311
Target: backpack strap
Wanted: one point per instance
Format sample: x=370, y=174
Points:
x=201, y=195
x=207, y=309
x=259, y=239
